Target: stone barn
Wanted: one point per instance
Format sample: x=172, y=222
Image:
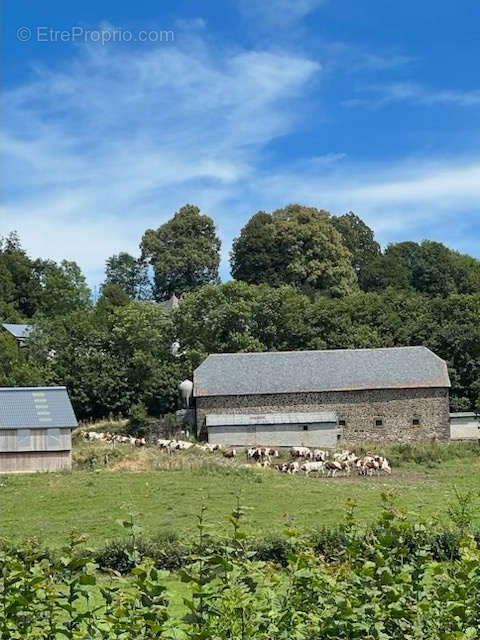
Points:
x=35, y=429
x=382, y=395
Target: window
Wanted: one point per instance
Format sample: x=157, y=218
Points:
x=23, y=440
x=416, y=422
x=378, y=422
x=53, y=439
x=305, y=427
x=341, y=423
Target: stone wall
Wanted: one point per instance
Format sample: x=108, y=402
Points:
x=383, y=415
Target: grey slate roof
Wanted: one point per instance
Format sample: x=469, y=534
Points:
x=35, y=407
x=168, y=305
x=303, y=371
x=19, y=331
x=216, y=420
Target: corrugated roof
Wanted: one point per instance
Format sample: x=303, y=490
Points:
x=216, y=420
x=19, y=331
x=35, y=407
x=303, y=371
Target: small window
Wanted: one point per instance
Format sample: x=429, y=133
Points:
x=305, y=427
x=23, y=440
x=416, y=422
x=341, y=423
x=379, y=422
x=53, y=439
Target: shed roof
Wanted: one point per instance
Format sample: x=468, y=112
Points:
x=35, y=407
x=217, y=420
x=19, y=331
x=303, y=371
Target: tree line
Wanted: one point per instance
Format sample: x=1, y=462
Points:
x=303, y=279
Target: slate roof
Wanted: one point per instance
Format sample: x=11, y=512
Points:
x=216, y=420
x=168, y=305
x=304, y=371
x=35, y=407
x=19, y=331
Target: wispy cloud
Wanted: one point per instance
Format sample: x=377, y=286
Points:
x=354, y=58
x=116, y=139
x=378, y=96
x=278, y=13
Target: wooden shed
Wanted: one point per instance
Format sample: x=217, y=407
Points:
x=35, y=429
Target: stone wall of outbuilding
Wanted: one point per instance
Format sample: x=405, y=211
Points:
x=378, y=415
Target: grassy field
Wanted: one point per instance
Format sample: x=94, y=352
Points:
x=49, y=506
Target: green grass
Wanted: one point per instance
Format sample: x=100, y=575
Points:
x=50, y=506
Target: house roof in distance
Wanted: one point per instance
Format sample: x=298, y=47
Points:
x=19, y=331
x=168, y=305
x=303, y=371
x=35, y=408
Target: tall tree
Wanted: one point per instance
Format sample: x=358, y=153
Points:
x=64, y=288
x=360, y=241
x=296, y=245
x=27, y=289
x=129, y=273
x=434, y=269
x=184, y=252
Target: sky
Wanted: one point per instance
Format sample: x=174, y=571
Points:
x=117, y=114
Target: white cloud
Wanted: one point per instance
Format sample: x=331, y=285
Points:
x=379, y=96
x=278, y=13
x=116, y=139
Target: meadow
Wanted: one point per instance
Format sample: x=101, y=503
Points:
x=166, y=493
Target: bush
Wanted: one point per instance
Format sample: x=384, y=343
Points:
x=272, y=549
x=138, y=420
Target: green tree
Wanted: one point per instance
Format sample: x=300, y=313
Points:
x=113, y=295
x=302, y=248
x=130, y=274
x=431, y=268
x=360, y=241
x=110, y=361
x=15, y=369
x=184, y=253
x=64, y=288
x=27, y=288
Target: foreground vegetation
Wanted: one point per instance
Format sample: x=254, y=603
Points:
x=385, y=582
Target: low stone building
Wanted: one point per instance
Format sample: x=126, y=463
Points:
x=464, y=426
x=381, y=395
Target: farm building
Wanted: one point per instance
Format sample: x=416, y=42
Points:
x=21, y=332
x=386, y=395
x=464, y=426
x=35, y=429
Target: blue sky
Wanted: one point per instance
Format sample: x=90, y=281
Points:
x=366, y=106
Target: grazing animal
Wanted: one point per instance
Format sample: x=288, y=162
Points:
x=230, y=453
x=300, y=452
x=335, y=466
x=308, y=467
